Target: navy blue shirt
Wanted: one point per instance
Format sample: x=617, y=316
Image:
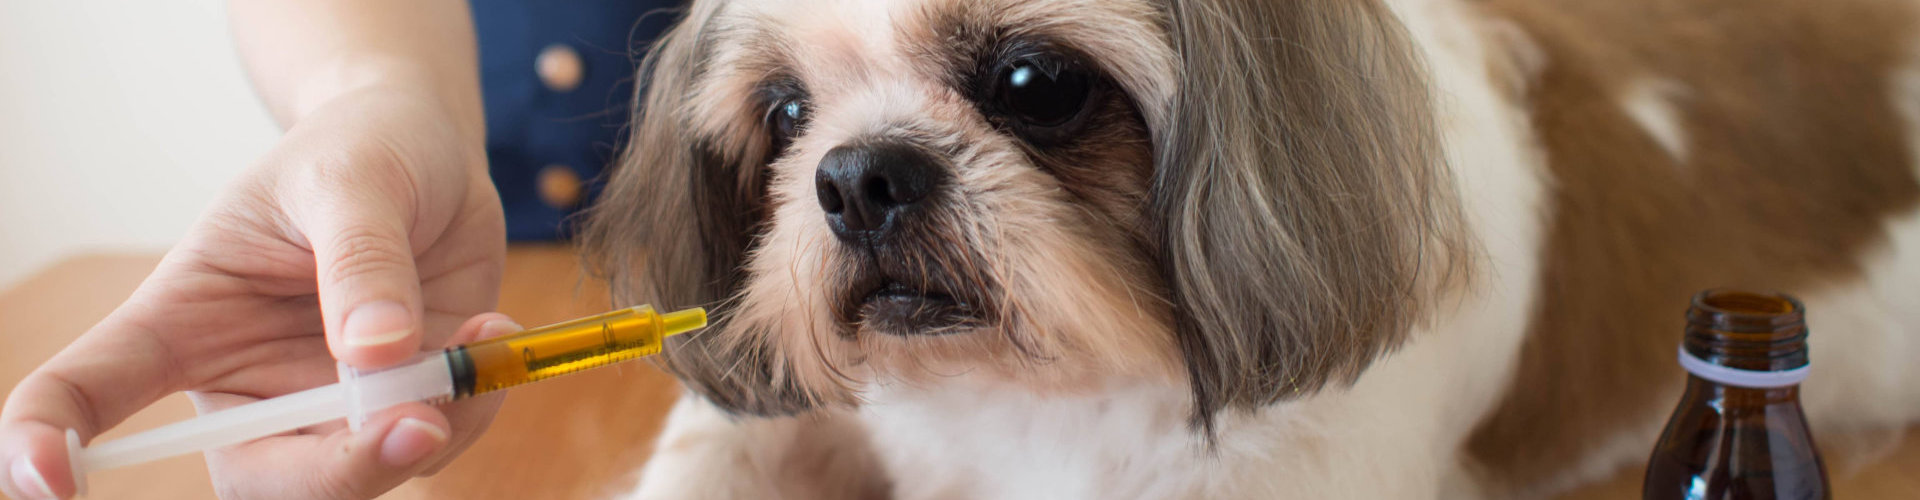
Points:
x=554, y=125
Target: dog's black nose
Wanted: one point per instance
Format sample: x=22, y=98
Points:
x=867, y=188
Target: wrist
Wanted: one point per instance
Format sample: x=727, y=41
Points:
x=453, y=98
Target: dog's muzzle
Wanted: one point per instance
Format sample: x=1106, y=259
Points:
x=878, y=197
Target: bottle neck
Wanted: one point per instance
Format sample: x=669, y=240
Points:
x=1744, y=350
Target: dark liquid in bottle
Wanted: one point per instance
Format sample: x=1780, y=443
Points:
x=1728, y=448
x=1729, y=442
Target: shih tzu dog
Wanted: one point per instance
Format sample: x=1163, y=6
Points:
x=1251, y=248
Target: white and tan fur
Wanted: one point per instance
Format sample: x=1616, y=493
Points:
x=1080, y=386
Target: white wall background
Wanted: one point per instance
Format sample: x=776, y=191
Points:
x=119, y=122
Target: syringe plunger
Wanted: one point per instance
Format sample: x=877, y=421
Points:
x=456, y=372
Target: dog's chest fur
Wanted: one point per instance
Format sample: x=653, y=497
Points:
x=968, y=438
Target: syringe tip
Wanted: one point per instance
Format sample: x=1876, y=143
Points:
x=682, y=321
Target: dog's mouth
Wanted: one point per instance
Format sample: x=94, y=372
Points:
x=895, y=307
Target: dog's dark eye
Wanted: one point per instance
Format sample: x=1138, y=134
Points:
x=784, y=121
x=1042, y=95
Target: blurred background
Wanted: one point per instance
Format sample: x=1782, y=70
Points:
x=119, y=122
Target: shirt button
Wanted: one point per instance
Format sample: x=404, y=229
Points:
x=559, y=68
x=560, y=187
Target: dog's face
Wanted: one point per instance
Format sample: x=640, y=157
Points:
x=1237, y=195
x=941, y=190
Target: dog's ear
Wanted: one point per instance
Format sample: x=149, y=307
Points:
x=1302, y=203
x=674, y=223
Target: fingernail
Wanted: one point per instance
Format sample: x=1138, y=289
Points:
x=410, y=441
x=499, y=327
x=378, y=323
x=27, y=479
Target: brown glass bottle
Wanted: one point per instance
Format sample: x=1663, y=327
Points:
x=1740, y=434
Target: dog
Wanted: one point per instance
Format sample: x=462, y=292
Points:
x=1251, y=248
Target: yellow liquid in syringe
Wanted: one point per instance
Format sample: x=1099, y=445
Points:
x=559, y=349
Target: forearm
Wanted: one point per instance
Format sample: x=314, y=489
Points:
x=302, y=54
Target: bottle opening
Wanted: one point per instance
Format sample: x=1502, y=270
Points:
x=1744, y=311
x=1746, y=303
x=1747, y=330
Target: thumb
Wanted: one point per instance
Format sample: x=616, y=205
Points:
x=364, y=266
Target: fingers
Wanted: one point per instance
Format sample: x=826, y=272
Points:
x=106, y=375
x=471, y=417
x=398, y=443
x=395, y=445
x=357, y=220
x=35, y=462
x=484, y=326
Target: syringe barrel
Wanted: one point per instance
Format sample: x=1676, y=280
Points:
x=425, y=378
x=554, y=350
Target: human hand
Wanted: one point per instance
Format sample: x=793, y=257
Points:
x=370, y=233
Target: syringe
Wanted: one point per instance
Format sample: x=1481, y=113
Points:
x=455, y=373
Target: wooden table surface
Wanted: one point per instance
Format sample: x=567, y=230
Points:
x=576, y=437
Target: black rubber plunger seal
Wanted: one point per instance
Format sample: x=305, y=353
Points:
x=460, y=366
